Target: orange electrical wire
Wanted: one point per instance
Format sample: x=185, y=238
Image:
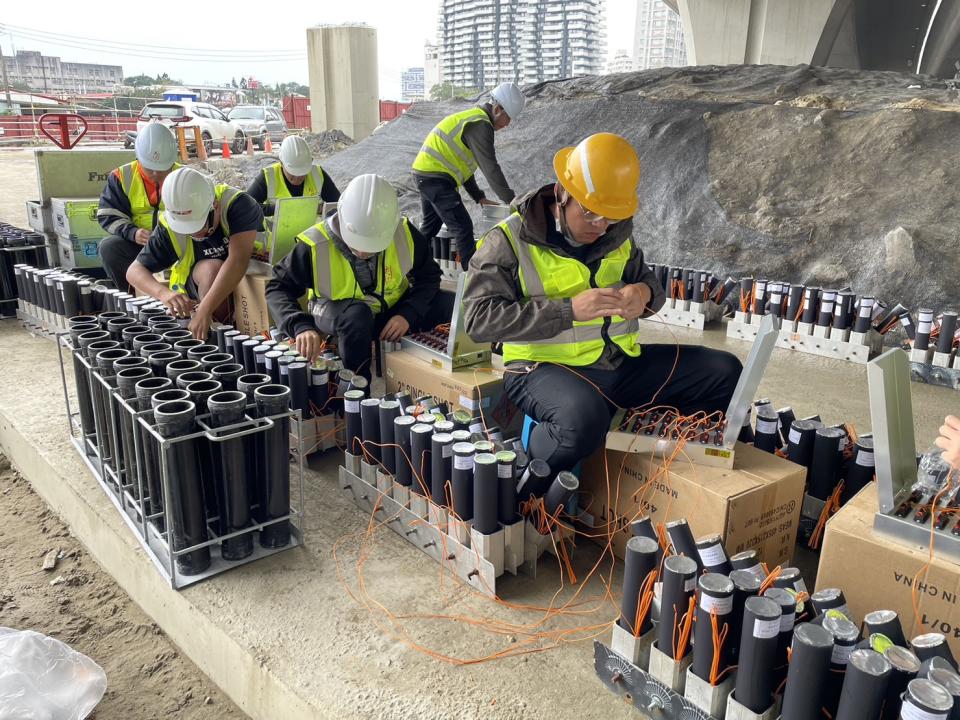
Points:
x=829, y=508
x=684, y=627
x=719, y=639
x=646, y=601
x=771, y=578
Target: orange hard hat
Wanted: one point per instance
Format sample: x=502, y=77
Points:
x=602, y=174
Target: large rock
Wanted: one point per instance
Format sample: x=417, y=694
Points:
x=798, y=174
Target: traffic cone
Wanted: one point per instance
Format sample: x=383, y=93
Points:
x=225, y=151
x=268, y=147
x=250, y=146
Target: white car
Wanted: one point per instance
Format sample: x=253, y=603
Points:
x=215, y=128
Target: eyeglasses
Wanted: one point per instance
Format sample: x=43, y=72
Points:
x=593, y=218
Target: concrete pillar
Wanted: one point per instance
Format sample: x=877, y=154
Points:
x=344, y=89
x=733, y=32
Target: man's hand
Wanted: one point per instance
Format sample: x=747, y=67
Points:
x=178, y=304
x=487, y=201
x=142, y=236
x=596, y=303
x=949, y=440
x=636, y=297
x=200, y=324
x=396, y=328
x=308, y=344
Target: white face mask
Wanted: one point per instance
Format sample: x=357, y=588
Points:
x=566, y=236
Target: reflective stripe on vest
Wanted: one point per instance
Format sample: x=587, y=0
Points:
x=545, y=274
x=333, y=276
x=183, y=244
x=131, y=181
x=444, y=151
x=277, y=188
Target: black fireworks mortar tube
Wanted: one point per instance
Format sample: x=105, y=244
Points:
x=794, y=298
x=760, y=628
x=298, y=380
x=145, y=390
x=227, y=374
x=864, y=315
x=906, y=665
x=949, y=681
x=486, y=488
x=713, y=556
x=766, y=434
x=420, y=456
x=535, y=480
x=714, y=596
x=639, y=560
x=389, y=410
x=370, y=421
x=643, y=527
x=864, y=686
x=462, y=480
x=401, y=453
x=828, y=599
x=564, y=485
x=930, y=645
x=745, y=585
x=351, y=414
x=811, y=301
x=681, y=538
x=825, y=465
x=84, y=402
x=319, y=388
x=948, y=327
x=187, y=517
x=760, y=298
x=274, y=496
x=926, y=700
x=885, y=622
x=507, y=492
x=861, y=469
x=827, y=299
x=800, y=441
x=235, y=345
x=845, y=637
x=220, y=336
x=127, y=380
x=808, y=673
x=750, y=561
x=924, y=327
x=788, y=615
x=441, y=462
x=678, y=585
x=229, y=408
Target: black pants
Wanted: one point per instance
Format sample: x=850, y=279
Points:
x=118, y=254
x=574, y=417
x=440, y=203
x=356, y=327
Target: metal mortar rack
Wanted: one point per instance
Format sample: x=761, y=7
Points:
x=124, y=480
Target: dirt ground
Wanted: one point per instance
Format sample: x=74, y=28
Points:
x=80, y=605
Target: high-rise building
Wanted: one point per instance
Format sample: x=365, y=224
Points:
x=431, y=67
x=658, y=36
x=412, y=85
x=622, y=62
x=53, y=76
x=486, y=42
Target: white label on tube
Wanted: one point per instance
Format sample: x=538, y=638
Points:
x=865, y=458
x=269, y=363
x=477, y=427
x=463, y=463
x=787, y=621
x=690, y=585
x=909, y=711
x=713, y=555
x=84, y=290
x=866, y=311
x=766, y=426
x=447, y=450
x=906, y=321
x=721, y=606
x=504, y=471
x=841, y=653
x=285, y=369
x=794, y=436
x=924, y=327
x=843, y=442
x=319, y=378
x=766, y=628
x=800, y=586
x=467, y=403
x=351, y=406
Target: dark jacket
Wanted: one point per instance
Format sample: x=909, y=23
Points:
x=114, y=212
x=293, y=276
x=258, y=188
x=495, y=310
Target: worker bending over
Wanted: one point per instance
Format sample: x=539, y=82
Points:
x=368, y=273
x=131, y=200
x=562, y=285
x=205, y=237
x=449, y=157
x=296, y=175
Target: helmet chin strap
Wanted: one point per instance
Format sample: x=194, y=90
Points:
x=561, y=219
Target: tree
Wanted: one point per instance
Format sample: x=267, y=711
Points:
x=233, y=82
x=164, y=78
x=139, y=80
x=447, y=91
x=243, y=83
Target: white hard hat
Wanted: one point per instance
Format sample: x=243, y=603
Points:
x=187, y=200
x=368, y=212
x=295, y=155
x=156, y=147
x=508, y=96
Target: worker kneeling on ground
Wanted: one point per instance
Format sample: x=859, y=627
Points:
x=131, y=201
x=449, y=157
x=296, y=175
x=205, y=237
x=368, y=273
x=562, y=285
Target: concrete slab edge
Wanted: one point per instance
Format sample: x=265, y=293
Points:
x=91, y=518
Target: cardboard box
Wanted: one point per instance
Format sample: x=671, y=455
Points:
x=251, y=316
x=470, y=388
x=876, y=573
x=755, y=505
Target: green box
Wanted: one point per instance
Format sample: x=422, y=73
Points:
x=76, y=217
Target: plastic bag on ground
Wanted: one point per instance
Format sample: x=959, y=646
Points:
x=43, y=679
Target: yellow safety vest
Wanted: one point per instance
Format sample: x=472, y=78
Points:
x=131, y=181
x=277, y=187
x=546, y=274
x=183, y=244
x=333, y=276
x=444, y=151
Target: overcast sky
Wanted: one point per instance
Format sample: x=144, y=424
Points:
x=95, y=33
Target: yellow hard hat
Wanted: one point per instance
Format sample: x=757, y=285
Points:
x=602, y=174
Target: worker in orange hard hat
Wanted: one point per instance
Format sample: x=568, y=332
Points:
x=562, y=285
